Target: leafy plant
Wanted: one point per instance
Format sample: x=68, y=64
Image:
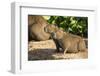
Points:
x=72, y=24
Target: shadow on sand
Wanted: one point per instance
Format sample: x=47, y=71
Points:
x=41, y=54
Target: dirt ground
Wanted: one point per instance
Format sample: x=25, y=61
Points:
x=50, y=54
x=46, y=50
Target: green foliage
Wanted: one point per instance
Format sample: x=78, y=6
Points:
x=75, y=25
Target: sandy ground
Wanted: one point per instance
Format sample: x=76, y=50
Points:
x=50, y=54
x=46, y=50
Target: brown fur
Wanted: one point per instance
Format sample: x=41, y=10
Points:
x=69, y=42
x=36, y=26
x=51, y=28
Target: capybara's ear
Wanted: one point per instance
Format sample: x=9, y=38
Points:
x=60, y=31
